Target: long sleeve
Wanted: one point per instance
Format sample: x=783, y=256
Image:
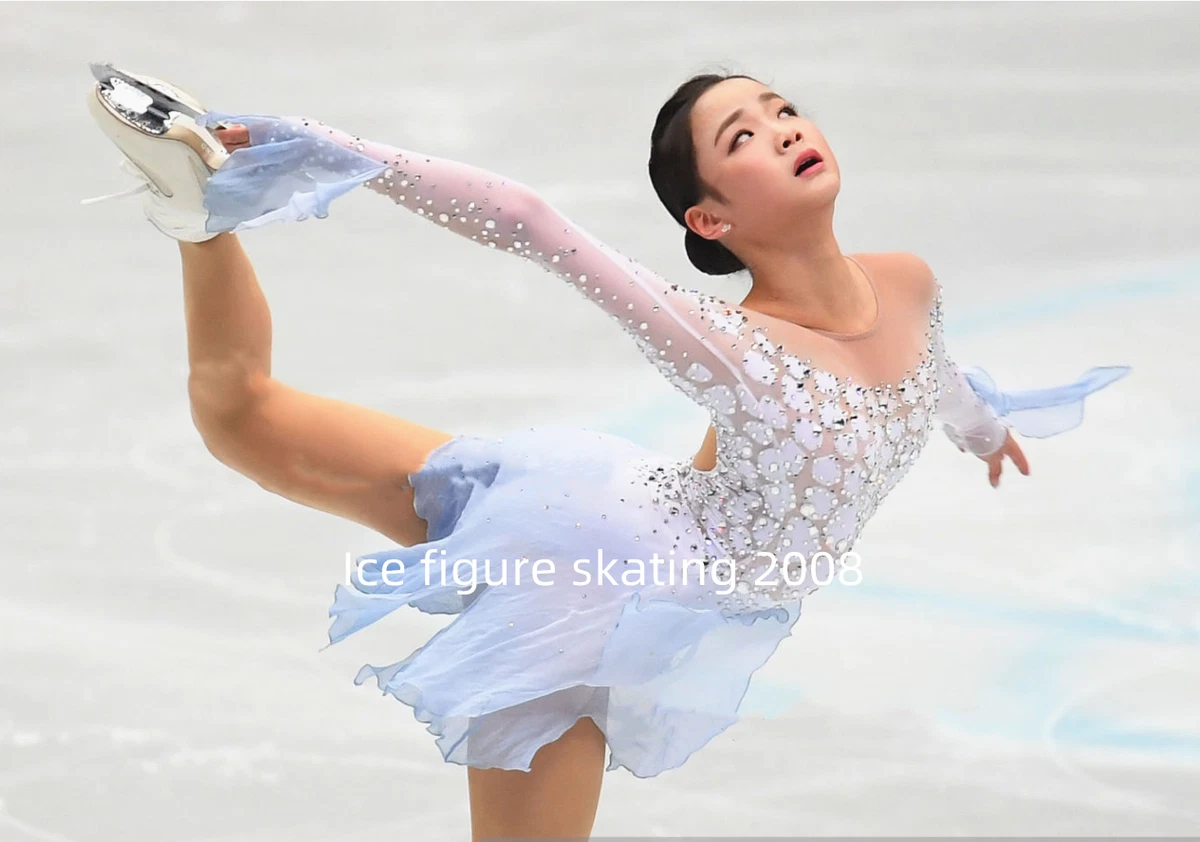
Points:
x=692, y=338
x=966, y=419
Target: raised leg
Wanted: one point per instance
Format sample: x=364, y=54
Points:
x=344, y=459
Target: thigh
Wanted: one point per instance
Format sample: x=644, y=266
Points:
x=558, y=797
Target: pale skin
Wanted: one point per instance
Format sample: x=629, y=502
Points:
x=354, y=462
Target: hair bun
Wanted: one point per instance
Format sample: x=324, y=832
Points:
x=710, y=256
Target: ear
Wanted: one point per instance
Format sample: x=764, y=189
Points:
x=705, y=223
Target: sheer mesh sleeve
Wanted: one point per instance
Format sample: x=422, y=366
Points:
x=966, y=419
x=691, y=338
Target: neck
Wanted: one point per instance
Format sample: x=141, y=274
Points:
x=811, y=283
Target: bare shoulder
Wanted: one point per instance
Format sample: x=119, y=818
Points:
x=902, y=271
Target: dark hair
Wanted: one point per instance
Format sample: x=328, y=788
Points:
x=675, y=177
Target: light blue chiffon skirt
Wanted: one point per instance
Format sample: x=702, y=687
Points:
x=656, y=666
x=654, y=662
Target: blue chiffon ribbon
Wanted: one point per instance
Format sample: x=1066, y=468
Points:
x=288, y=173
x=1040, y=413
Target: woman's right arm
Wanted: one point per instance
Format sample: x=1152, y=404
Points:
x=691, y=338
x=354, y=462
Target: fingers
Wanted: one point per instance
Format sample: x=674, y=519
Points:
x=233, y=137
x=1019, y=459
x=1014, y=452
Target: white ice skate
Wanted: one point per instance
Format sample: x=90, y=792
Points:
x=155, y=125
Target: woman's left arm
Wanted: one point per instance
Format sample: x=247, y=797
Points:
x=979, y=416
x=966, y=418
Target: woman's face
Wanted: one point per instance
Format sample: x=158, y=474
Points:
x=751, y=160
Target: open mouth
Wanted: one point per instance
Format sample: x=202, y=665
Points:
x=808, y=159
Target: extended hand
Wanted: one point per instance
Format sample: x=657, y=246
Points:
x=1013, y=451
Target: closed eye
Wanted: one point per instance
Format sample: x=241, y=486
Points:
x=734, y=140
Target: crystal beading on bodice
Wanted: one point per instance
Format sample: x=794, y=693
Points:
x=801, y=468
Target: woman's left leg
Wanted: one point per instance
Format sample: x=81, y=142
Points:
x=556, y=799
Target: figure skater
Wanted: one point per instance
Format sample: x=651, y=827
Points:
x=607, y=597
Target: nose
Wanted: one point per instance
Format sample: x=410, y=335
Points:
x=788, y=137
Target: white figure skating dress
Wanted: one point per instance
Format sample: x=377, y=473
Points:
x=653, y=590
